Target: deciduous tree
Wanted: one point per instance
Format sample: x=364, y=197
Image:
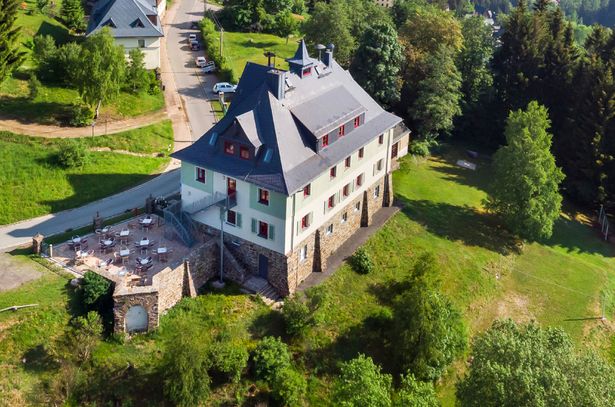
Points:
x=361, y=383
x=526, y=365
x=377, y=63
x=474, y=58
x=414, y=393
x=525, y=188
x=136, y=74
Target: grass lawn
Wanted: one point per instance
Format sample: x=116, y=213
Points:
x=558, y=282
x=33, y=185
x=243, y=47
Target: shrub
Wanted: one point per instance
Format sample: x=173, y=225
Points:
x=361, y=261
x=270, y=357
x=289, y=387
x=34, y=87
x=81, y=115
x=95, y=289
x=211, y=45
x=229, y=358
x=72, y=154
x=422, y=147
x=297, y=316
x=153, y=85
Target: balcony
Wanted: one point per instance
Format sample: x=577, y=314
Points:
x=218, y=199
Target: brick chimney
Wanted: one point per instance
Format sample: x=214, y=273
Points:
x=328, y=57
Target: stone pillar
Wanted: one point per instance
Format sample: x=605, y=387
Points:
x=149, y=204
x=387, y=200
x=37, y=243
x=97, y=222
x=366, y=215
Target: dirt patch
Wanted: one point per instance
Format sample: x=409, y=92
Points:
x=14, y=272
x=515, y=307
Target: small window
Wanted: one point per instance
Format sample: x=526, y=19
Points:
x=341, y=132
x=377, y=191
x=305, y=222
x=307, y=71
x=307, y=190
x=379, y=165
x=213, y=139
x=361, y=152
x=325, y=140
x=331, y=202
x=268, y=155
x=344, y=217
x=263, y=196
x=231, y=217
x=229, y=148
x=346, y=190
x=348, y=162
x=357, y=121
x=200, y=174
x=244, y=153
x=381, y=139
x=360, y=180
x=333, y=172
x=141, y=43
x=330, y=229
x=357, y=206
x=263, y=229
x=303, y=253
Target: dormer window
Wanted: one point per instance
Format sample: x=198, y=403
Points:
x=325, y=140
x=229, y=148
x=307, y=71
x=357, y=121
x=341, y=132
x=244, y=153
x=263, y=196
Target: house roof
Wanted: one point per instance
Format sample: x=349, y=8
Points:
x=301, y=57
x=126, y=18
x=288, y=128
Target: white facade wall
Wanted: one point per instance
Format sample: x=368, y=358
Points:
x=324, y=186
x=211, y=216
x=151, y=49
x=161, y=8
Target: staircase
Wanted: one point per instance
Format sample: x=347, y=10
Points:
x=173, y=216
x=262, y=288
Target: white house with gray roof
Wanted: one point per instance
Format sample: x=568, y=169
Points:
x=133, y=24
x=301, y=160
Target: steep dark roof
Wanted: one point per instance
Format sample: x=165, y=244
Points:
x=125, y=18
x=301, y=57
x=287, y=128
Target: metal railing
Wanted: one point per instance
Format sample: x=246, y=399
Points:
x=173, y=216
x=219, y=199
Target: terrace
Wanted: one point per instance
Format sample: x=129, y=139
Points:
x=130, y=253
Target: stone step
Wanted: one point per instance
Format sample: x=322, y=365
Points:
x=264, y=290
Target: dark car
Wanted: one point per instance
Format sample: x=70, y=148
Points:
x=195, y=25
x=194, y=45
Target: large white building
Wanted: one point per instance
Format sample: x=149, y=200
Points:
x=133, y=24
x=301, y=160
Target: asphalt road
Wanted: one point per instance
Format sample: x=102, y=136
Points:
x=193, y=86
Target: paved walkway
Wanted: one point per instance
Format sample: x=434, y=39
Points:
x=350, y=246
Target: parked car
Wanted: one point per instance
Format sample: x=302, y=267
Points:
x=224, y=87
x=209, y=67
x=191, y=37
x=201, y=62
x=194, y=45
x=195, y=25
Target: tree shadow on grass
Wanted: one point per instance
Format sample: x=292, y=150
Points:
x=267, y=323
x=59, y=33
x=26, y=111
x=248, y=43
x=478, y=178
x=461, y=223
x=576, y=236
x=38, y=360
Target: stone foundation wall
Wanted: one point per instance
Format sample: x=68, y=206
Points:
x=203, y=263
x=170, y=283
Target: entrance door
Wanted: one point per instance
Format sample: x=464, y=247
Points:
x=263, y=266
x=136, y=319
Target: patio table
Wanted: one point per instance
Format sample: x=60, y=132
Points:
x=124, y=233
x=108, y=242
x=76, y=240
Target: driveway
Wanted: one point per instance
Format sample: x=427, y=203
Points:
x=193, y=86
